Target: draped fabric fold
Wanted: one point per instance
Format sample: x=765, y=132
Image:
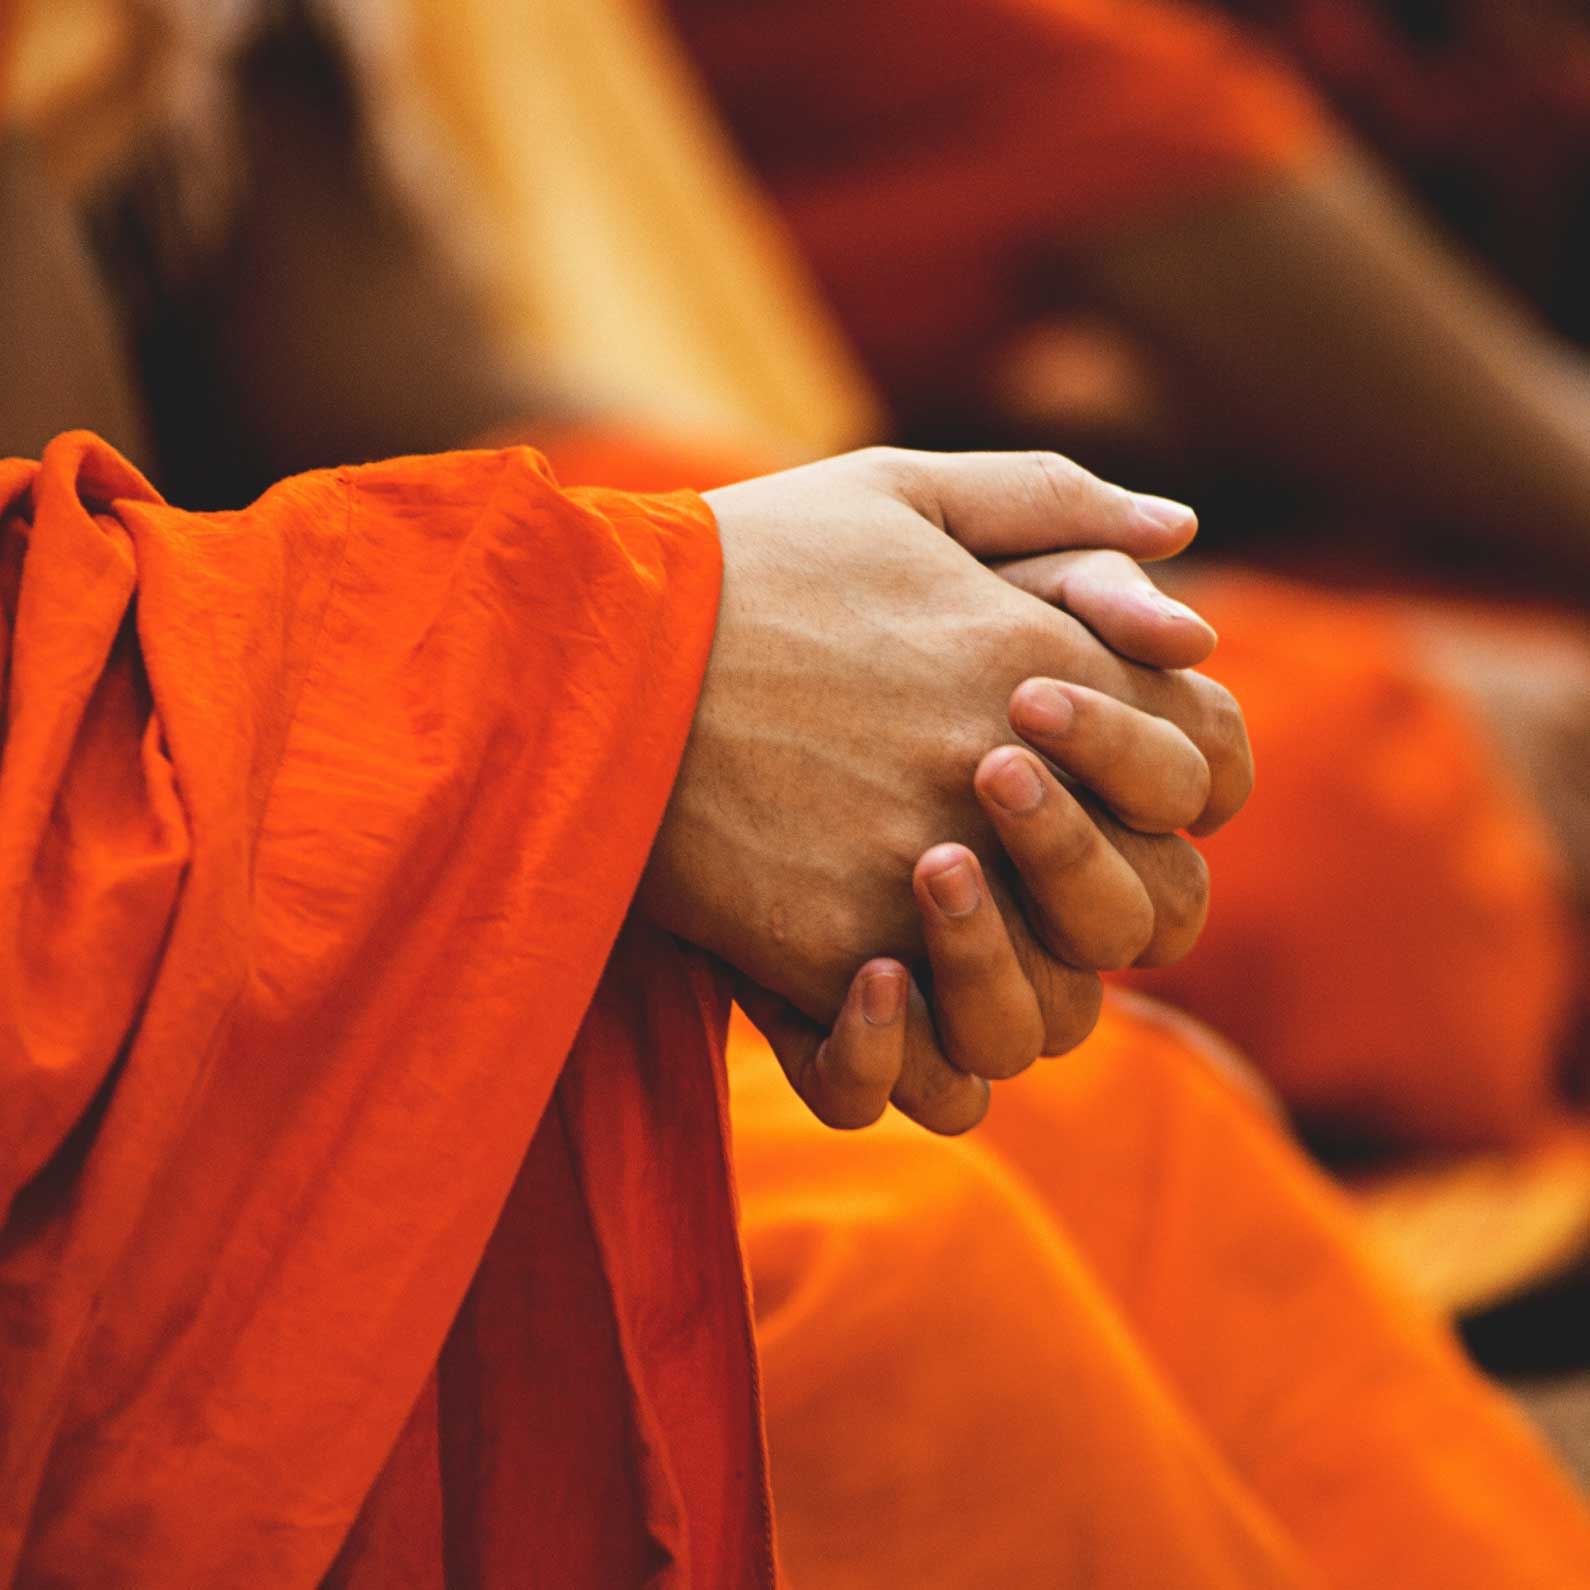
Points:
x=1124, y=1334
x=320, y=821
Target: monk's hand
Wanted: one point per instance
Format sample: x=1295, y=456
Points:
x=983, y=1003
x=1079, y=548
x=931, y=1044
x=890, y=1042
x=1080, y=731
x=862, y=671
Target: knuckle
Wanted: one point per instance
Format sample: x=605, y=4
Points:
x=948, y=1104
x=1070, y=1004
x=1180, y=803
x=1179, y=696
x=1009, y=1061
x=927, y=1080
x=901, y=844
x=1038, y=635
x=1107, y=940
x=1220, y=732
x=837, y=933
x=1181, y=901
x=833, y=1106
x=960, y=744
x=898, y=472
x=1057, y=480
x=1014, y=1045
x=882, y=459
x=1190, y=883
x=1225, y=728
x=867, y=918
x=967, y=1115
x=846, y=1112
x=1127, y=937
x=1196, y=785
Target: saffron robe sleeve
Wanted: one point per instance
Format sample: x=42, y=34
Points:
x=318, y=824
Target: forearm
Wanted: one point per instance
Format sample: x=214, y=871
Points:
x=1325, y=324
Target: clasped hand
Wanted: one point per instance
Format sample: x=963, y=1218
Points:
x=852, y=795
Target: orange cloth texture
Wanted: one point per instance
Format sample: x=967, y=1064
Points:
x=1390, y=939
x=933, y=160
x=318, y=823
x=1121, y=1335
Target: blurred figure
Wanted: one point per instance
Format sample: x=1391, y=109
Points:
x=347, y=264
x=1481, y=106
x=956, y=175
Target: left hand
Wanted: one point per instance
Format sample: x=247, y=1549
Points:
x=983, y=1011
x=933, y=1054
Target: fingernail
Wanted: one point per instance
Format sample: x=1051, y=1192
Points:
x=954, y=890
x=1046, y=708
x=1015, y=786
x=883, y=998
x=1162, y=513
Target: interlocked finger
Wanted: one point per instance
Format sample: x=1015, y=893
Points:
x=1176, y=880
x=1207, y=713
x=1087, y=905
x=931, y=1091
x=844, y=1076
x=1142, y=767
x=985, y=1010
x=1115, y=598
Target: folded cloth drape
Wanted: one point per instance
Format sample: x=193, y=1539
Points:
x=318, y=823
x=1124, y=1334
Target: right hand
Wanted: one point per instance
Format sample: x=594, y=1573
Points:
x=862, y=671
x=931, y=1045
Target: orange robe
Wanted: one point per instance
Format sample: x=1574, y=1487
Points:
x=1120, y=1336
x=318, y=823
x=1391, y=939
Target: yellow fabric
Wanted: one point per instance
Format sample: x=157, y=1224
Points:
x=75, y=79
x=601, y=206
x=561, y=153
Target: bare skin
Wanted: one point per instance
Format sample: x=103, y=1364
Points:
x=933, y=1053
x=1321, y=321
x=891, y=728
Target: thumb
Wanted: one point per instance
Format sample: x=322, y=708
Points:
x=1004, y=505
x=1110, y=593
x=845, y=1077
